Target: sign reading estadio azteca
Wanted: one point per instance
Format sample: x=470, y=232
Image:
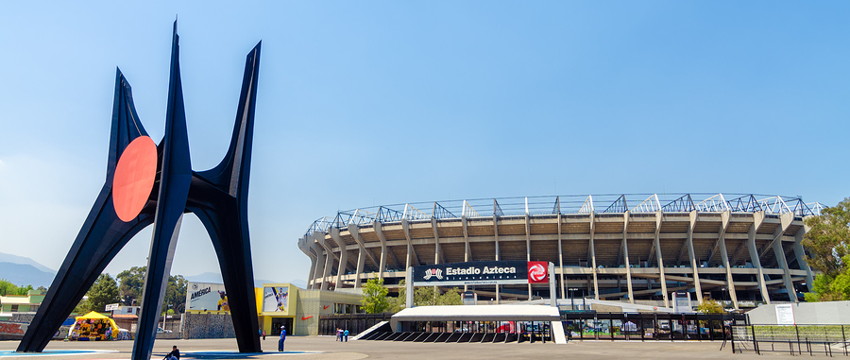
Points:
x=482, y=273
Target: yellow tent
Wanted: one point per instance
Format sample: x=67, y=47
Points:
x=84, y=327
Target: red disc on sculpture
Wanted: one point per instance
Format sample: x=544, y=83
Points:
x=134, y=178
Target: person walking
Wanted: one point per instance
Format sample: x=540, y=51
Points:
x=339, y=334
x=345, y=335
x=282, y=338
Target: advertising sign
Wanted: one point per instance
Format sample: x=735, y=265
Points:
x=276, y=298
x=206, y=297
x=482, y=273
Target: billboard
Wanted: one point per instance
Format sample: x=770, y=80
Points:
x=276, y=299
x=206, y=297
x=482, y=273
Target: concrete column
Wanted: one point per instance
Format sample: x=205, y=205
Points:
x=657, y=245
x=561, y=258
x=724, y=256
x=343, y=257
x=592, y=250
x=410, y=259
x=758, y=218
x=692, y=256
x=800, y=253
x=496, y=239
x=466, y=252
x=625, y=246
x=438, y=254
x=785, y=221
x=382, y=262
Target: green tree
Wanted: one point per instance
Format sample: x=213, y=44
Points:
x=175, y=294
x=103, y=292
x=710, y=306
x=132, y=283
x=374, y=299
x=829, y=252
x=430, y=295
x=7, y=288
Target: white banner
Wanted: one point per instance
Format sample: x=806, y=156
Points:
x=206, y=297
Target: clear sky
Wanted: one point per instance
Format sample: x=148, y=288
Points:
x=363, y=103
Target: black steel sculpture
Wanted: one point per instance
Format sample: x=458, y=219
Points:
x=148, y=184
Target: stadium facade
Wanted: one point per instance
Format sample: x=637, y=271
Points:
x=741, y=248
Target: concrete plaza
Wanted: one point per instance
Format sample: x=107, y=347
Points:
x=324, y=347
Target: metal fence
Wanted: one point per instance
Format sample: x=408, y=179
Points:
x=590, y=325
x=793, y=339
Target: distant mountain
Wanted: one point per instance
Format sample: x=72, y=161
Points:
x=15, y=259
x=25, y=274
x=212, y=277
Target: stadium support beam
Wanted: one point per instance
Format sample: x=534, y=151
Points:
x=329, y=258
x=657, y=245
x=343, y=258
x=800, y=253
x=527, y=240
x=361, y=254
x=625, y=250
x=439, y=257
x=320, y=263
x=692, y=256
x=784, y=221
x=411, y=251
x=382, y=266
x=561, y=259
x=724, y=256
x=496, y=240
x=355, y=233
x=591, y=252
x=758, y=218
x=467, y=251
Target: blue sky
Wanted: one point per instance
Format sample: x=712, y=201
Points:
x=376, y=102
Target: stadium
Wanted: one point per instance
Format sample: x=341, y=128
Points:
x=743, y=249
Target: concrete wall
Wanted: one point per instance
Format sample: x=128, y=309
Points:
x=207, y=326
x=830, y=312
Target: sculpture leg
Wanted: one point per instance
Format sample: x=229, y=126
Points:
x=102, y=236
x=229, y=235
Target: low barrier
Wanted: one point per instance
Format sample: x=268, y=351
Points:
x=793, y=339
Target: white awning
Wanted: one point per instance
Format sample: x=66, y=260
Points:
x=479, y=313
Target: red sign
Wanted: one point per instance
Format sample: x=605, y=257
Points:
x=538, y=272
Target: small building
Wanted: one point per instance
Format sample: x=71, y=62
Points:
x=29, y=303
x=278, y=304
x=299, y=310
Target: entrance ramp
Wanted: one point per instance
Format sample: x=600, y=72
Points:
x=372, y=329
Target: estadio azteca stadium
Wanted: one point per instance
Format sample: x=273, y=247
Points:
x=741, y=248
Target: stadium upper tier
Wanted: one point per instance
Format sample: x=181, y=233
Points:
x=569, y=204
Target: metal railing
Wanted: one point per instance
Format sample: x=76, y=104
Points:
x=568, y=204
x=794, y=339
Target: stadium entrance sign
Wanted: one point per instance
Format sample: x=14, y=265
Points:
x=482, y=273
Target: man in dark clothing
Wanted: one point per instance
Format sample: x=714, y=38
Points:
x=282, y=338
x=174, y=354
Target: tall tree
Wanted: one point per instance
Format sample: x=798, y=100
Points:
x=175, y=294
x=132, y=284
x=374, y=299
x=828, y=244
x=103, y=292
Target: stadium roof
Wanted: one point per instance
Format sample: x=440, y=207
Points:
x=569, y=204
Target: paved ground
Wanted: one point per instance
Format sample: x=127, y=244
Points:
x=324, y=347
